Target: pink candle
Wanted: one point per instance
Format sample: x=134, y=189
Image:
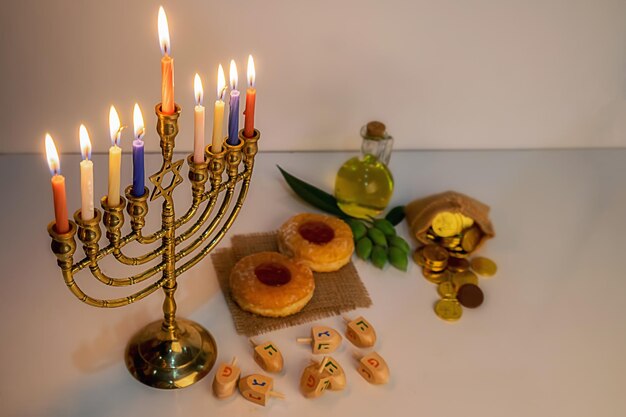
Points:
x=167, y=66
x=58, y=187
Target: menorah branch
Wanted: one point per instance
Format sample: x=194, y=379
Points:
x=64, y=246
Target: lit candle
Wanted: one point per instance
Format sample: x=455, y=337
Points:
x=218, y=112
x=233, y=111
x=138, y=169
x=167, y=66
x=58, y=187
x=115, y=158
x=248, y=130
x=198, y=122
x=86, y=175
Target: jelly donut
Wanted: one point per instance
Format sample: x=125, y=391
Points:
x=270, y=284
x=323, y=243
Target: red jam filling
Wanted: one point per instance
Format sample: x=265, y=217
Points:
x=272, y=274
x=317, y=232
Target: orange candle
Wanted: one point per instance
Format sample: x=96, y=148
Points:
x=248, y=130
x=58, y=187
x=167, y=66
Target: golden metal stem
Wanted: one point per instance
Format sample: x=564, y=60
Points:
x=173, y=352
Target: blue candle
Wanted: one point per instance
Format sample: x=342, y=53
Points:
x=138, y=167
x=233, y=114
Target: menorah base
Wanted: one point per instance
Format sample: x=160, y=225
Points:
x=161, y=360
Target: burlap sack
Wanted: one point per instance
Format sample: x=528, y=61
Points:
x=421, y=212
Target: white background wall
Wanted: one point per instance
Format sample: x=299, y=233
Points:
x=439, y=73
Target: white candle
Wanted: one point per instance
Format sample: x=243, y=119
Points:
x=218, y=112
x=198, y=122
x=86, y=175
x=115, y=158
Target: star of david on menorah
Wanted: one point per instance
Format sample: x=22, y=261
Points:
x=173, y=352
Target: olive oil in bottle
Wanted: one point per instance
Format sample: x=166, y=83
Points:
x=364, y=185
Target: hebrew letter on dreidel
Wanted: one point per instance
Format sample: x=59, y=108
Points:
x=337, y=375
x=373, y=368
x=257, y=388
x=360, y=332
x=226, y=378
x=323, y=339
x=268, y=356
x=314, y=380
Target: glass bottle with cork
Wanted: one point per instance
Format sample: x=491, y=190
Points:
x=364, y=184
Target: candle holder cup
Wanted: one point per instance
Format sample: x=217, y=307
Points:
x=172, y=352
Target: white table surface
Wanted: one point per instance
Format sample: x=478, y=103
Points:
x=550, y=339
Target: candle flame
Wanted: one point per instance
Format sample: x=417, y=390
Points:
x=221, y=83
x=115, y=129
x=164, y=32
x=138, y=122
x=233, y=75
x=85, y=142
x=251, y=72
x=53, y=156
x=197, y=89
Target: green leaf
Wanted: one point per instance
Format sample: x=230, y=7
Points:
x=377, y=237
x=385, y=226
x=313, y=195
x=398, y=242
x=364, y=248
x=379, y=256
x=398, y=258
x=358, y=228
x=395, y=215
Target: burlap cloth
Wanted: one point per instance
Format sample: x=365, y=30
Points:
x=335, y=292
x=421, y=212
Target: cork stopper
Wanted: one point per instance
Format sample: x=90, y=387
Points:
x=376, y=129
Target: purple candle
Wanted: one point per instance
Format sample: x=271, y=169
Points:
x=138, y=168
x=233, y=114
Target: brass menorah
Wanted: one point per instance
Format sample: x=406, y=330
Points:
x=173, y=352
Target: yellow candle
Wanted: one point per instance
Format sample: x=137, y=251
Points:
x=218, y=112
x=198, y=122
x=86, y=176
x=115, y=158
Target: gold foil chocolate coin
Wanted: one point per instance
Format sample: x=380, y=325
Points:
x=435, y=255
x=484, y=266
x=435, y=277
x=467, y=221
x=448, y=309
x=418, y=256
x=446, y=289
x=471, y=238
x=466, y=277
x=446, y=224
x=458, y=264
x=450, y=242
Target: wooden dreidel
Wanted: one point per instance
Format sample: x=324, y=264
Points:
x=337, y=375
x=226, y=378
x=323, y=339
x=257, y=388
x=360, y=332
x=268, y=356
x=373, y=368
x=315, y=380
